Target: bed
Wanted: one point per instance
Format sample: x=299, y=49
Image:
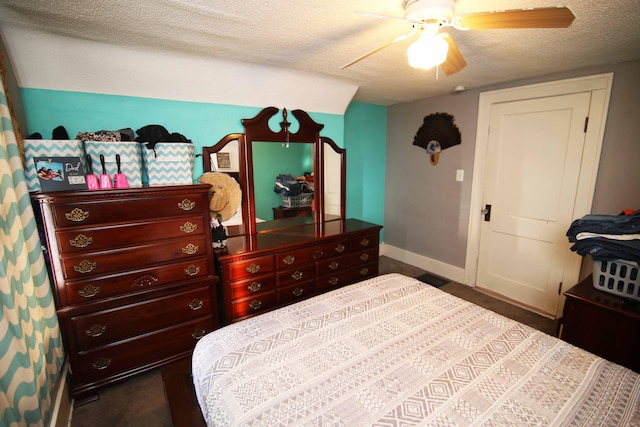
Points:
x=392, y=350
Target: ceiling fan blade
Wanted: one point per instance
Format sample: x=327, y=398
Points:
x=543, y=17
x=454, y=62
x=368, y=54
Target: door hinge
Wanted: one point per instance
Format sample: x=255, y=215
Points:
x=559, y=288
x=586, y=124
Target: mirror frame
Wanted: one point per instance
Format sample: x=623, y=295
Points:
x=234, y=230
x=257, y=129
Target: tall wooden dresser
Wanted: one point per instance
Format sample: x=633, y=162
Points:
x=133, y=278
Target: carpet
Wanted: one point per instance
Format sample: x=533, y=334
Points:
x=432, y=279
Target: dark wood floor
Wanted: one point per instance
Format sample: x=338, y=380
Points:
x=181, y=395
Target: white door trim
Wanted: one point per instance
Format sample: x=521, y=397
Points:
x=600, y=87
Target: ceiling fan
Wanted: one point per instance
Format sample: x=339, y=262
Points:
x=434, y=48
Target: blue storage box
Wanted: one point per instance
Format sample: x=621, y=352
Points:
x=169, y=163
x=48, y=148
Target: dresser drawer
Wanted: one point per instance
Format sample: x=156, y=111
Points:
x=126, y=355
x=296, y=292
x=332, y=265
x=102, y=210
x=249, y=268
x=337, y=264
x=332, y=281
x=296, y=275
x=78, y=292
x=95, y=329
x=295, y=257
x=335, y=248
x=363, y=271
x=121, y=235
x=253, y=305
x=344, y=277
x=363, y=257
x=97, y=263
x=364, y=242
x=253, y=286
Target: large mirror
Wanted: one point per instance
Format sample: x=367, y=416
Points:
x=288, y=177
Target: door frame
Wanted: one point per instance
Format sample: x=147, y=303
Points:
x=600, y=87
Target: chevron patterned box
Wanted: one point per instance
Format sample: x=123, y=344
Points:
x=48, y=148
x=169, y=163
x=130, y=159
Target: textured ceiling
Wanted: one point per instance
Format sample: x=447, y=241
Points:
x=322, y=35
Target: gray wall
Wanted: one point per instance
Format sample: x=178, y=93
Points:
x=427, y=211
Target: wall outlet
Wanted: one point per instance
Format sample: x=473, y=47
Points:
x=460, y=175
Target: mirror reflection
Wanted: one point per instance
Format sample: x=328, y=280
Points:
x=332, y=183
x=282, y=179
x=226, y=159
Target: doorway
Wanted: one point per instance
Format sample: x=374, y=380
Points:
x=535, y=164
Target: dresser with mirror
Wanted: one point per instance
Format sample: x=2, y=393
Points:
x=275, y=254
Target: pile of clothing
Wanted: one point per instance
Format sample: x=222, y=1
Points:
x=607, y=237
x=288, y=186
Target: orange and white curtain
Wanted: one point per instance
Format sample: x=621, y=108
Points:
x=31, y=352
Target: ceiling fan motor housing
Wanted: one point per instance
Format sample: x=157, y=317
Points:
x=429, y=10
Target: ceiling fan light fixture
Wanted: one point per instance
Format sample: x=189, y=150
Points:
x=427, y=52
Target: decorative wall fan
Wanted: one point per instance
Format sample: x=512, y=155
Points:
x=434, y=48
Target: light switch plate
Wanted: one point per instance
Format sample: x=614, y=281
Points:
x=460, y=175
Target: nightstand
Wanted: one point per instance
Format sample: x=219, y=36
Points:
x=603, y=323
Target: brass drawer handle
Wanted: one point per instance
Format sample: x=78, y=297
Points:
x=186, y=205
x=198, y=333
x=77, y=215
x=81, y=241
x=255, y=286
x=89, y=291
x=333, y=281
x=192, y=270
x=340, y=248
x=85, y=267
x=190, y=249
x=96, y=330
x=100, y=364
x=253, y=268
x=196, y=304
x=255, y=304
x=297, y=275
x=334, y=265
x=364, y=242
x=188, y=227
x=364, y=271
x=145, y=280
x=289, y=260
x=364, y=257
x=298, y=291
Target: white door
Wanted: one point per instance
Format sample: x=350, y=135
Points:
x=532, y=170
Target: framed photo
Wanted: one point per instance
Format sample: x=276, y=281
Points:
x=60, y=173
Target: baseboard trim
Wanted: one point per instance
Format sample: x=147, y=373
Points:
x=440, y=268
x=62, y=405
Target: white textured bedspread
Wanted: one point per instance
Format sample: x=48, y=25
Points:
x=394, y=351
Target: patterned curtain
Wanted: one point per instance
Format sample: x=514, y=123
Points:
x=31, y=352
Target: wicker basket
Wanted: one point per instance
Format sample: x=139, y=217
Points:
x=618, y=277
x=299, y=201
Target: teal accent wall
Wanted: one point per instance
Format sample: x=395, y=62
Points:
x=361, y=130
x=365, y=136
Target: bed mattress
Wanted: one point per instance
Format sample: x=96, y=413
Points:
x=394, y=351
